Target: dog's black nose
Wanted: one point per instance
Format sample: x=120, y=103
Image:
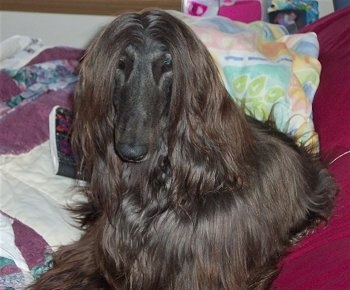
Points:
x=132, y=152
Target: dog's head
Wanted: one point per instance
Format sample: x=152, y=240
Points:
x=146, y=82
x=161, y=68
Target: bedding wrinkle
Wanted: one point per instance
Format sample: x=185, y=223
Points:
x=340, y=156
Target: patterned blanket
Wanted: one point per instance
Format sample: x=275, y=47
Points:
x=34, y=80
x=28, y=93
x=24, y=255
x=31, y=83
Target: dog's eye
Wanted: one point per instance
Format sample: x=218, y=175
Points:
x=121, y=64
x=167, y=63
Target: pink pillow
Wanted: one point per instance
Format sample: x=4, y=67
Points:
x=243, y=10
x=239, y=10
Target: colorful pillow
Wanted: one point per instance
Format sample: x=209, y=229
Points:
x=271, y=74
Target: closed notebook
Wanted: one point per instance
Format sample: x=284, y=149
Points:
x=62, y=155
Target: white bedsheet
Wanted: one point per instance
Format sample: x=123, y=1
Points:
x=32, y=193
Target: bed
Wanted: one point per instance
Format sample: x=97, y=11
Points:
x=300, y=80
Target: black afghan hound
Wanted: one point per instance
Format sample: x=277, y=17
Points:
x=183, y=190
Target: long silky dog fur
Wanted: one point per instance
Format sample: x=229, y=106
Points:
x=183, y=190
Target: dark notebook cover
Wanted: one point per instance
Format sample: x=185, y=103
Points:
x=61, y=120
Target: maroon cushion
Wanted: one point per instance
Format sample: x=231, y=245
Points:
x=322, y=260
x=331, y=106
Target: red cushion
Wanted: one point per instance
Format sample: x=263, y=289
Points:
x=322, y=260
x=331, y=106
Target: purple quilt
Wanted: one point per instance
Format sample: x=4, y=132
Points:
x=28, y=94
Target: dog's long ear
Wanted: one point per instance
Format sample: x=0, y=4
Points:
x=93, y=125
x=94, y=93
x=207, y=130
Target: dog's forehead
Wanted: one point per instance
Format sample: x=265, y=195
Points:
x=148, y=47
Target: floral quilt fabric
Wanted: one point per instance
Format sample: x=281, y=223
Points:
x=34, y=80
x=24, y=255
